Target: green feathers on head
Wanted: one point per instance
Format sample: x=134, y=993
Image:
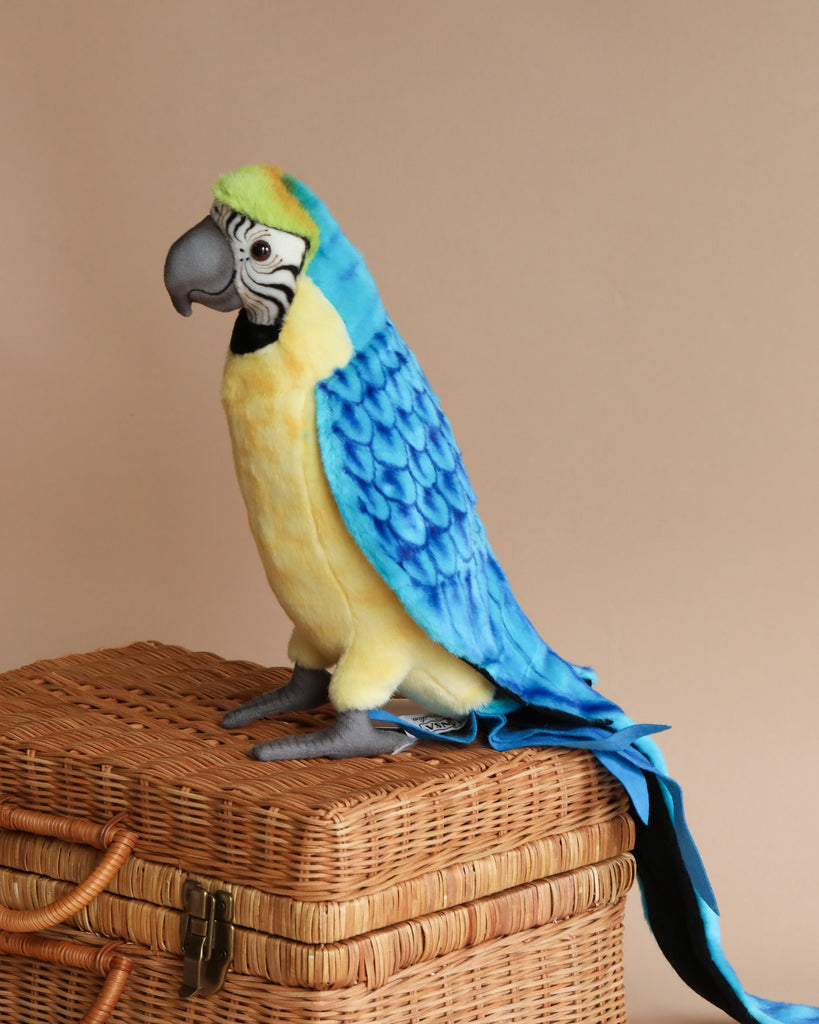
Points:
x=262, y=193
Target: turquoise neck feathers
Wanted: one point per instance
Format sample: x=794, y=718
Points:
x=339, y=270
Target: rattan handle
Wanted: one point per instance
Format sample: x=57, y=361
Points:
x=115, y=840
x=113, y=966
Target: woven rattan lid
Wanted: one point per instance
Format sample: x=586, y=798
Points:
x=136, y=731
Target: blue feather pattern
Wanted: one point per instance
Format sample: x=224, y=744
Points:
x=402, y=489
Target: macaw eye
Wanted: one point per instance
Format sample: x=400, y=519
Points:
x=260, y=250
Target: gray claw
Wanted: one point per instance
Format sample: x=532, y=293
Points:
x=351, y=735
x=307, y=688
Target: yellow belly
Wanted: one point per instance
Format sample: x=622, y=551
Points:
x=343, y=613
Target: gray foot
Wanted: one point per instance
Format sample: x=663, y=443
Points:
x=307, y=688
x=351, y=735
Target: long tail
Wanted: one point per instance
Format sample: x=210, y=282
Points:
x=679, y=903
x=684, y=921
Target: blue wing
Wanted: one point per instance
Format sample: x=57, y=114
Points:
x=399, y=481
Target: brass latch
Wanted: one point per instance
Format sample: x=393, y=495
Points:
x=207, y=939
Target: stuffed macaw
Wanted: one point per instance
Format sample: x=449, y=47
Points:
x=366, y=525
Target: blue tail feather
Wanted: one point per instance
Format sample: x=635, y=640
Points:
x=679, y=902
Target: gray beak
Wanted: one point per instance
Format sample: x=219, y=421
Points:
x=199, y=268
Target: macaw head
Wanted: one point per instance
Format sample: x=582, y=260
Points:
x=249, y=251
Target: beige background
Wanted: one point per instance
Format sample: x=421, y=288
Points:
x=597, y=225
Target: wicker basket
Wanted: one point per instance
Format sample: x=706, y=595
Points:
x=443, y=884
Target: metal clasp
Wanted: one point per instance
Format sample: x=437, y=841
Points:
x=207, y=939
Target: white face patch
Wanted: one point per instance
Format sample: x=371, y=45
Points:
x=268, y=262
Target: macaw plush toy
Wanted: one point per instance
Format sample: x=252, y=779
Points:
x=366, y=525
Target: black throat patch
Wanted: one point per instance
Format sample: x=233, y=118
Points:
x=248, y=337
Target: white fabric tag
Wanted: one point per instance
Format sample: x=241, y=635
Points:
x=438, y=724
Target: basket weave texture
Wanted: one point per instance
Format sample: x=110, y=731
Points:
x=445, y=883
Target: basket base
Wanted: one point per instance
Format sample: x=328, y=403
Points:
x=563, y=972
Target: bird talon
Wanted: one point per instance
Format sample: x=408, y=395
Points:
x=351, y=735
x=307, y=688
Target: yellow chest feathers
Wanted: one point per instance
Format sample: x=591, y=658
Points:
x=269, y=398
